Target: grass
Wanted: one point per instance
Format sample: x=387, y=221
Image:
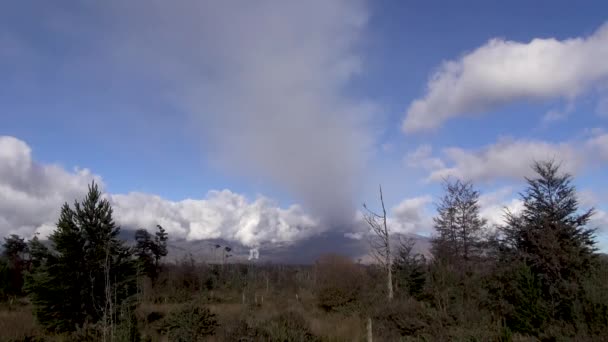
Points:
x=17, y=323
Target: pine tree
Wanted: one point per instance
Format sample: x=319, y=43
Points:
x=89, y=268
x=409, y=268
x=149, y=251
x=39, y=253
x=458, y=224
x=160, y=244
x=16, y=253
x=551, y=237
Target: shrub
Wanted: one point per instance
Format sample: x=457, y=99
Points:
x=191, y=323
x=340, y=283
x=289, y=326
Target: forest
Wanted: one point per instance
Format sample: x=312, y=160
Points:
x=537, y=277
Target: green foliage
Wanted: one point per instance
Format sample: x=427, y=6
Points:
x=555, y=249
x=529, y=312
x=88, y=269
x=409, y=269
x=16, y=262
x=39, y=253
x=5, y=276
x=126, y=330
x=150, y=251
x=339, y=283
x=458, y=226
x=191, y=323
x=288, y=326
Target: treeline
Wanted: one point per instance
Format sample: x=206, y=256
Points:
x=538, y=277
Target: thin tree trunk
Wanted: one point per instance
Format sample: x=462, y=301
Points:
x=389, y=269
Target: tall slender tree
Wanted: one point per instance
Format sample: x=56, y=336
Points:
x=90, y=268
x=381, y=242
x=16, y=254
x=150, y=251
x=458, y=224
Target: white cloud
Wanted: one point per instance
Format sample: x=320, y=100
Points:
x=503, y=71
x=588, y=198
x=422, y=157
x=507, y=159
x=599, y=145
x=222, y=214
x=412, y=215
x=32, y=193
x=493, y=205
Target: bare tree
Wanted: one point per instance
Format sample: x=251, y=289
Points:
x=380, y=241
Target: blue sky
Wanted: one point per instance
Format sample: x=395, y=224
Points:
x=302, y=104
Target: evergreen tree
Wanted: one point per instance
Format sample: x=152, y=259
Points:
x=16, y=253
x=409, y=268
x=87, y=271
x=458, y=224
x=551, y=237
x=160, y=244
x=149, y=251
x=39, y=253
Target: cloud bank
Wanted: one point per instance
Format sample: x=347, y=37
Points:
x=32, y=193
x=503, y=71
x=220, y=215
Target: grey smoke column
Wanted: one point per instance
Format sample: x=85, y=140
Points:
x=263, y=85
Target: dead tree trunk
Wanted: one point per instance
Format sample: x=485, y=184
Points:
x=380, y=242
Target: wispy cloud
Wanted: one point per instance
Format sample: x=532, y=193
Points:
x=507, y=159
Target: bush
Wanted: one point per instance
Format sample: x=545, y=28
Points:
x=191, y=323
x=288, y=326
x=340, y=283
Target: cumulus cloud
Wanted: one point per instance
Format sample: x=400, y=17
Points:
x=495, y=204
x=506, y=159
x=503, y=71
x=220, y=215
x=32, y=193
x=412, y=216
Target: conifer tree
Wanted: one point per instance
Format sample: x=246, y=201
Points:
x=551, y=236
x=409, y=268
x=88, y=270
x=458, y=224
x=16, y=253
x=160, y=244
x=149, y=251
